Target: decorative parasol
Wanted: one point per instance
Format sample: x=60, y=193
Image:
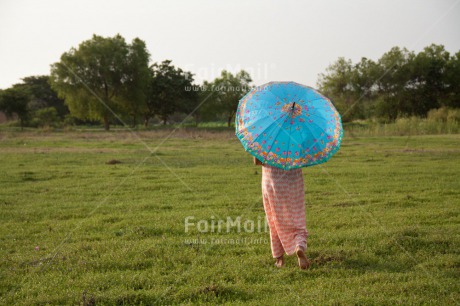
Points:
x=288, y=125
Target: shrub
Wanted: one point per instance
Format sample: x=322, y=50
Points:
x=444, y=121
x=45, y=117
x=438, y=114
x=453, y=115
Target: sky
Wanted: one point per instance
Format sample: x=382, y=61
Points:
x=273, y=40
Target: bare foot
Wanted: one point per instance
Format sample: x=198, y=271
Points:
x=279, y=261
x=304, y=263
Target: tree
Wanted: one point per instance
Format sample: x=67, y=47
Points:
x=167, y=92
x=190, y=103
x=14, y=101
x=138, y=80
x=227, y=90
x=208, y=110
x=337, y=84
x=102, y=77
x=453, y=81
x=395, y=75
x=400, y=83
x=365, y=89
x=42, y=95
x=428, y=78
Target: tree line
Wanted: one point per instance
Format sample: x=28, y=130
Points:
x=400, y=83
x=107, y=80
x=110, y=81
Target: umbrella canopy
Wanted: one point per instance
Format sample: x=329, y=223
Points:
x=288, y=125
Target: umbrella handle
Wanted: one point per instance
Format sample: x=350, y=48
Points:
x=292, y=110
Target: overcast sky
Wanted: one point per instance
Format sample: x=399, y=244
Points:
x=273, y=40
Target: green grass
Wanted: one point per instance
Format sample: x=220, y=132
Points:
x=383, y=218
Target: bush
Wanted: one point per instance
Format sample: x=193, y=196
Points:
x=45, y=117
x=438, y=114
x=69, y=120
x=444, y=114
x=438, y=122
x=453, y=115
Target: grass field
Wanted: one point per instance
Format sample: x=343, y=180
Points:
x=383, y=218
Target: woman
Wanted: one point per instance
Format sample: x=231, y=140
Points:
x=284, y=204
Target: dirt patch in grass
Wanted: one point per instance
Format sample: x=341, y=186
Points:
x=113, y=162
x=323, y=259
x=125, y=135
x=62, y=150
x=425, y=151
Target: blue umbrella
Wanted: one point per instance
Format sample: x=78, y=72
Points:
x=288, y=125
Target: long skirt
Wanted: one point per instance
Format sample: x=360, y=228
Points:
x=284, y=204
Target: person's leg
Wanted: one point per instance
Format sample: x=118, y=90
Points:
x=290, y=212
x=304, y=263
x=279, y=261
x=301, y=235
x=275, y=242
x=289, y=208
x=300, y=229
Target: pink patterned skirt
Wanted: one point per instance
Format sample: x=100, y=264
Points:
x=284, y=204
